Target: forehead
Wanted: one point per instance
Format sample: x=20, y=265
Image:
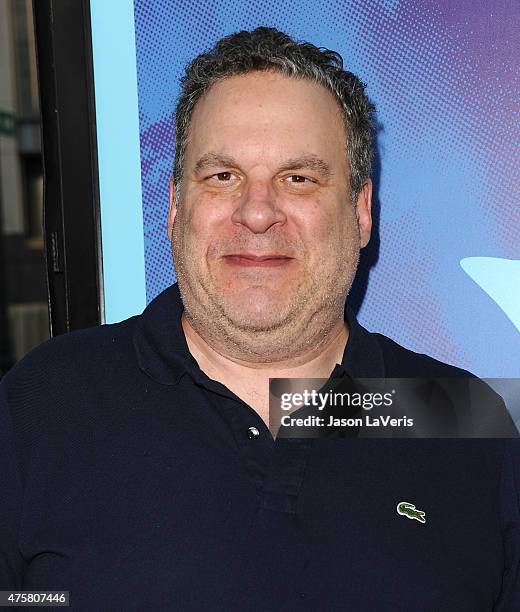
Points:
x=267, y=113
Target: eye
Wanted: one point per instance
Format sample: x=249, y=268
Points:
x=297, y=178
x=223, y=179
x=222, y=176
x=299, y=183
x=226, y=176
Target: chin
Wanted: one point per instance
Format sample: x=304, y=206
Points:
x=258, y=314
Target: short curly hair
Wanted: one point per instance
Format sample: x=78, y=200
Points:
x=268, y=49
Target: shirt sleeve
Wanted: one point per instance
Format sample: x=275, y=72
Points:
x=509, y=599
x=11, y=496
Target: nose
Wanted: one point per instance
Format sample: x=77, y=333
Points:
x=258, y=209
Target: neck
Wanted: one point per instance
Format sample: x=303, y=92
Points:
x=317, y=361
x=249, y=380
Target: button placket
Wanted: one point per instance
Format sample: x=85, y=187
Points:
x=285, y=475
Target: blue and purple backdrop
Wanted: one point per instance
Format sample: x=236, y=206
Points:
x=442, y=272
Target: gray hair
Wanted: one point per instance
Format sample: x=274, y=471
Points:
x=267, y=49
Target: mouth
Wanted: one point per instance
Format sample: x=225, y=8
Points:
x=261, y=261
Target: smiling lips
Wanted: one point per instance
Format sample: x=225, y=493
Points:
x=263, y=261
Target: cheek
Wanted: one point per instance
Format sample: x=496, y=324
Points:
x=200, y=222
x=343, y=224
x=329, y=230
x=202, y=227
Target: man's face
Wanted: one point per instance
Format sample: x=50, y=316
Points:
x=265, y=235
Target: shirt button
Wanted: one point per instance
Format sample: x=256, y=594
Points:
x=252, y=433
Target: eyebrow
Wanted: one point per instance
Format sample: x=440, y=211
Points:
x=307, y=161
x=212, y=160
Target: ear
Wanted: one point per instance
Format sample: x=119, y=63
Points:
x=172, y=210
x=364, y=212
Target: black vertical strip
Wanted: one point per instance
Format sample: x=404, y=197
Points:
x=6, y=354
x=71, y=194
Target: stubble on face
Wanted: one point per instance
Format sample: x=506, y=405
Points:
x=302, y=322
x=248, y=319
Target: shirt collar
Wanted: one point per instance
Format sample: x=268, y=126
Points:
x=163, y=353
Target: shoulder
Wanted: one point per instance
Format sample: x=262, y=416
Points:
x=402, y=362
x=80, y=350
x=468, y=393
x=57, y=373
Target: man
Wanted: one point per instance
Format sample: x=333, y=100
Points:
x=138, y=468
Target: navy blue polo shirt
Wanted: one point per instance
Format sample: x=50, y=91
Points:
x=132, y=480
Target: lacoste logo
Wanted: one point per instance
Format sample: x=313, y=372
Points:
x=409, y=510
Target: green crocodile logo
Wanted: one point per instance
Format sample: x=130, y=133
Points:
x=409, y=510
